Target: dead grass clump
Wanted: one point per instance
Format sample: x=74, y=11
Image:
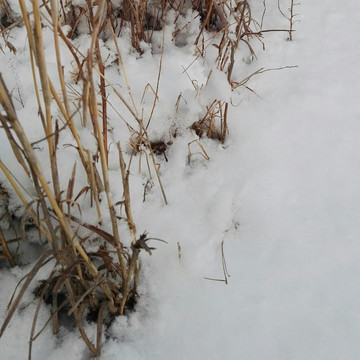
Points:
x=100, y=280
x=7, y=17
x=208, y=126
x=232, y=25
x=103, y=281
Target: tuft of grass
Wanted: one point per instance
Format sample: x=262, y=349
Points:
x=103, y=282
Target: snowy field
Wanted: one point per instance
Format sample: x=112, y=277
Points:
x=282, y=195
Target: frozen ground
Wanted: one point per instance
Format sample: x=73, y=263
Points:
x=283, y=194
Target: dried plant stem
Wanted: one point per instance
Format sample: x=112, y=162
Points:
x=97, y=280
x=126, y=284
x=158, y=78
x=94, y=188
x=132, y=111
x=41, y=63
x=6, y=250
x=291, y=20
x=32, y=55
x=103, y=100
x=19, y=193
x=55, y=25
x=37, y=310
x=125, y=182
x=263, y=14
x=155, y=167
x=290, y=17
x=37, y=172
x=83, y=157
x=122, y=68
x=15, y=148
x=97, y=23
x=102, y=150
x=12, y=307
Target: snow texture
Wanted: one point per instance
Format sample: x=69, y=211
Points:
x=282, y=193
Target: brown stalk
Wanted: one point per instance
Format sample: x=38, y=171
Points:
x=41, y=63
x=15, y=147
x=55, y=26
x=7, y=104
x=125, y=182
x=101, y=317
x=78, y=316
x=221, y=14
x=80, y=149
x=19, y=193
x=263, y=14
x=158, y=77
x=73, y=52
x=6, y=250
x=133, y=112
x=156, y=168
x=103, y=100
x=126, y=283
x=97, y=130
x=39, y=264
x=39, y=302
x=53, y=316
x=38, y=176
x=122, y=67
x=224, y=126
x=94, y=188
x=97, y=22
x=203, y=153
x=102, y=233
x=290, y=18
x=70, y=189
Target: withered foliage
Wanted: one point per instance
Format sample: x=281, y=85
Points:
x=84, y=279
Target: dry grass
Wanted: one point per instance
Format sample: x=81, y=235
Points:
x=103, y=282
x=232, y=23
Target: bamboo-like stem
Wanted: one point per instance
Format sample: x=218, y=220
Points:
x=39, y=48
x=32, y=55
x=75, y=134
x=103, y=99
x=94, y=113
x=55, y=24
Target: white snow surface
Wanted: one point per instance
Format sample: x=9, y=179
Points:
x=282, y=193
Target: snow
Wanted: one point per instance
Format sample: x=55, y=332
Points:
x=282, y=194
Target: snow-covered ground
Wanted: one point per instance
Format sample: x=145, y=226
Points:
x=283, y=196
